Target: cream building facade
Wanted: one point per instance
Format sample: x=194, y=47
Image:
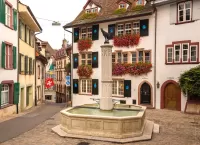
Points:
x=28, y=26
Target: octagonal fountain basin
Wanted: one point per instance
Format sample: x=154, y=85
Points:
x=125, y=121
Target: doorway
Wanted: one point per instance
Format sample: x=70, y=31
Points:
x=22, y=99
x=145, y=94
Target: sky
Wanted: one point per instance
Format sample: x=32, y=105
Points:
x=63, y=11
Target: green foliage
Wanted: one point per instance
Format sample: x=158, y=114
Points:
x=190, y=82
x=89, y=15
x=138, y=8
x=119, y=11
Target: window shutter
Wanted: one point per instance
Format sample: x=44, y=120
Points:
x=27, y=96
x=144, y=27
x=76, y=34
x=19, y=64
x=75, y=58
x=14, y=57
x=173, y=12
x=16, y=93
x=75, y=86
x=196, y=10
x=26, y=65
x=94, y=59
x=33, y=71
x=30, y=66
x=127, y=88
x=15, y=19
x=2, y=11
x=111, y=30
x=3, y=54
x=95, y=87
x=95, y=32
x=0, y=94
x=11, y=57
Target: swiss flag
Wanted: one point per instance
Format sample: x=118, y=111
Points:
x=49, y=82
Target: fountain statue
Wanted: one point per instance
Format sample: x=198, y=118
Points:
x=106, y=120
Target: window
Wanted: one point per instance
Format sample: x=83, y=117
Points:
x=182, y=52
x=119, y=57
x=185, y=52
x=134, y=57
x=128, y=28
x=83, y=33
x=125, y=58
x=139, y=2
x=120, y=29
x=177, y=52
x=22, y=63
x=89, y=32
x=118, y=88
x=9, y=57
x=193, y=53
x=184, y=11
x=170, y=55
x=94, y=10
x=38, y=71
x=28, y=95
x=86, y=86
x=8, y=15
x=86, y=33
x=140, y=59
x=113, y=58
x=136, y=27
x=121, y=6
x=22, y=31
x=27, y=35
x=5, y=95
x=86, y=59
x=147, y=56
x=88, y=11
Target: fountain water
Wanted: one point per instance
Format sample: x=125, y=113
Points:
x=112, y=122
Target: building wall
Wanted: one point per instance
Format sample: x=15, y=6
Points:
x=167, y=34
x=11, y=36
x=27, y=80
x=146, y=42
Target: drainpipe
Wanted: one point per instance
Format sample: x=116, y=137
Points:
x=155, y=52
x=35, y=73
x=17, y=105
x=71, y=71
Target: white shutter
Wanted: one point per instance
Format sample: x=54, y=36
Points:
x=173, y=13
x=196, y=10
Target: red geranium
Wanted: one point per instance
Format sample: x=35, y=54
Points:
x=85, y=71
x=84, y=44
x=126, y=40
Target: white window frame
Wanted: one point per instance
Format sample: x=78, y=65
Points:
x=118, y=87
x=187, y=52
x=196, y=53
x=85, y=33
x=8, y=15
x=120, y=30
x=184, y=11
x=122, y=6
x=5, y=100
x=136, y=30
x=114, y=58
x=125, y=53
x=86, y=86
x=134, y=57
x=145, y=57
x=86, y=59
x=89, y=32
x=139, y=2
x=175, y=53
x=128, y=29
x=119, y=60
x=168, y=55
x=88, y=11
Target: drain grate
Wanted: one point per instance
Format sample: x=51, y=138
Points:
x=83, y=143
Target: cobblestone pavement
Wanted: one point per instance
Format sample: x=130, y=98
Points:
x=176, y=128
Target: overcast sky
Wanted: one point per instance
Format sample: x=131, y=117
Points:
x=58, y=10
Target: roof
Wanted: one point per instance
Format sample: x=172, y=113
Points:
x=48, y=48
x=60, y=53
x=30, y=11
x=106, y=13
x=164, y=2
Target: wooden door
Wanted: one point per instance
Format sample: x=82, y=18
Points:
x=145, y=94
x=171, y=96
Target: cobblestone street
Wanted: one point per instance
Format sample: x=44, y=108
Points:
x=176, y=128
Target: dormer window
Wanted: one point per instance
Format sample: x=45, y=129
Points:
x=91, y=8
x=122, y=6
x=139, y=2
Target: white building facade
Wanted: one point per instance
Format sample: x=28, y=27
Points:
x=9, y=57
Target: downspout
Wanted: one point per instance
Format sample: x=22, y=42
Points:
x=35, y=72
x=155, y=52
x=18, y=54
x=71, y=71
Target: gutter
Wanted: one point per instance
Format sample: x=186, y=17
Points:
x=71, y=58
x=35, y=73
x=17, y=109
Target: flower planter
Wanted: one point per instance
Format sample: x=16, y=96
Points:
x=84, y=44
x=85, y=71
x=126, y=40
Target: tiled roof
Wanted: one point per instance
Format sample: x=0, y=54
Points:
x=62, y=52
x=106, y=13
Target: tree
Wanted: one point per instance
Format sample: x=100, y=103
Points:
x=190, y=82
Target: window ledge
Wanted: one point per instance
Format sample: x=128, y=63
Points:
x=182, y=63
x=6, y=106
x=118, y=96
x=179, y=23
x=8, y=27
x=9, y=69
x=85, y=94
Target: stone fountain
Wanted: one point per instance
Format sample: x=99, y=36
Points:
x=106, y=121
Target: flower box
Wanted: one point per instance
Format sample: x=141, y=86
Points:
x=126, y=40
x=84, y=44
x=85, y=71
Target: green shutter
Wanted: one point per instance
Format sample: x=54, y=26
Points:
x=16, y=93
x=15, y=19
x=14, y=57
x=2, y=11
x=33, y=67
x=0, y=94
x=30, y=66
x=3, y=54
x=26, y=65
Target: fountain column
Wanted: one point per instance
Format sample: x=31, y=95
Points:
x=106, y=102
